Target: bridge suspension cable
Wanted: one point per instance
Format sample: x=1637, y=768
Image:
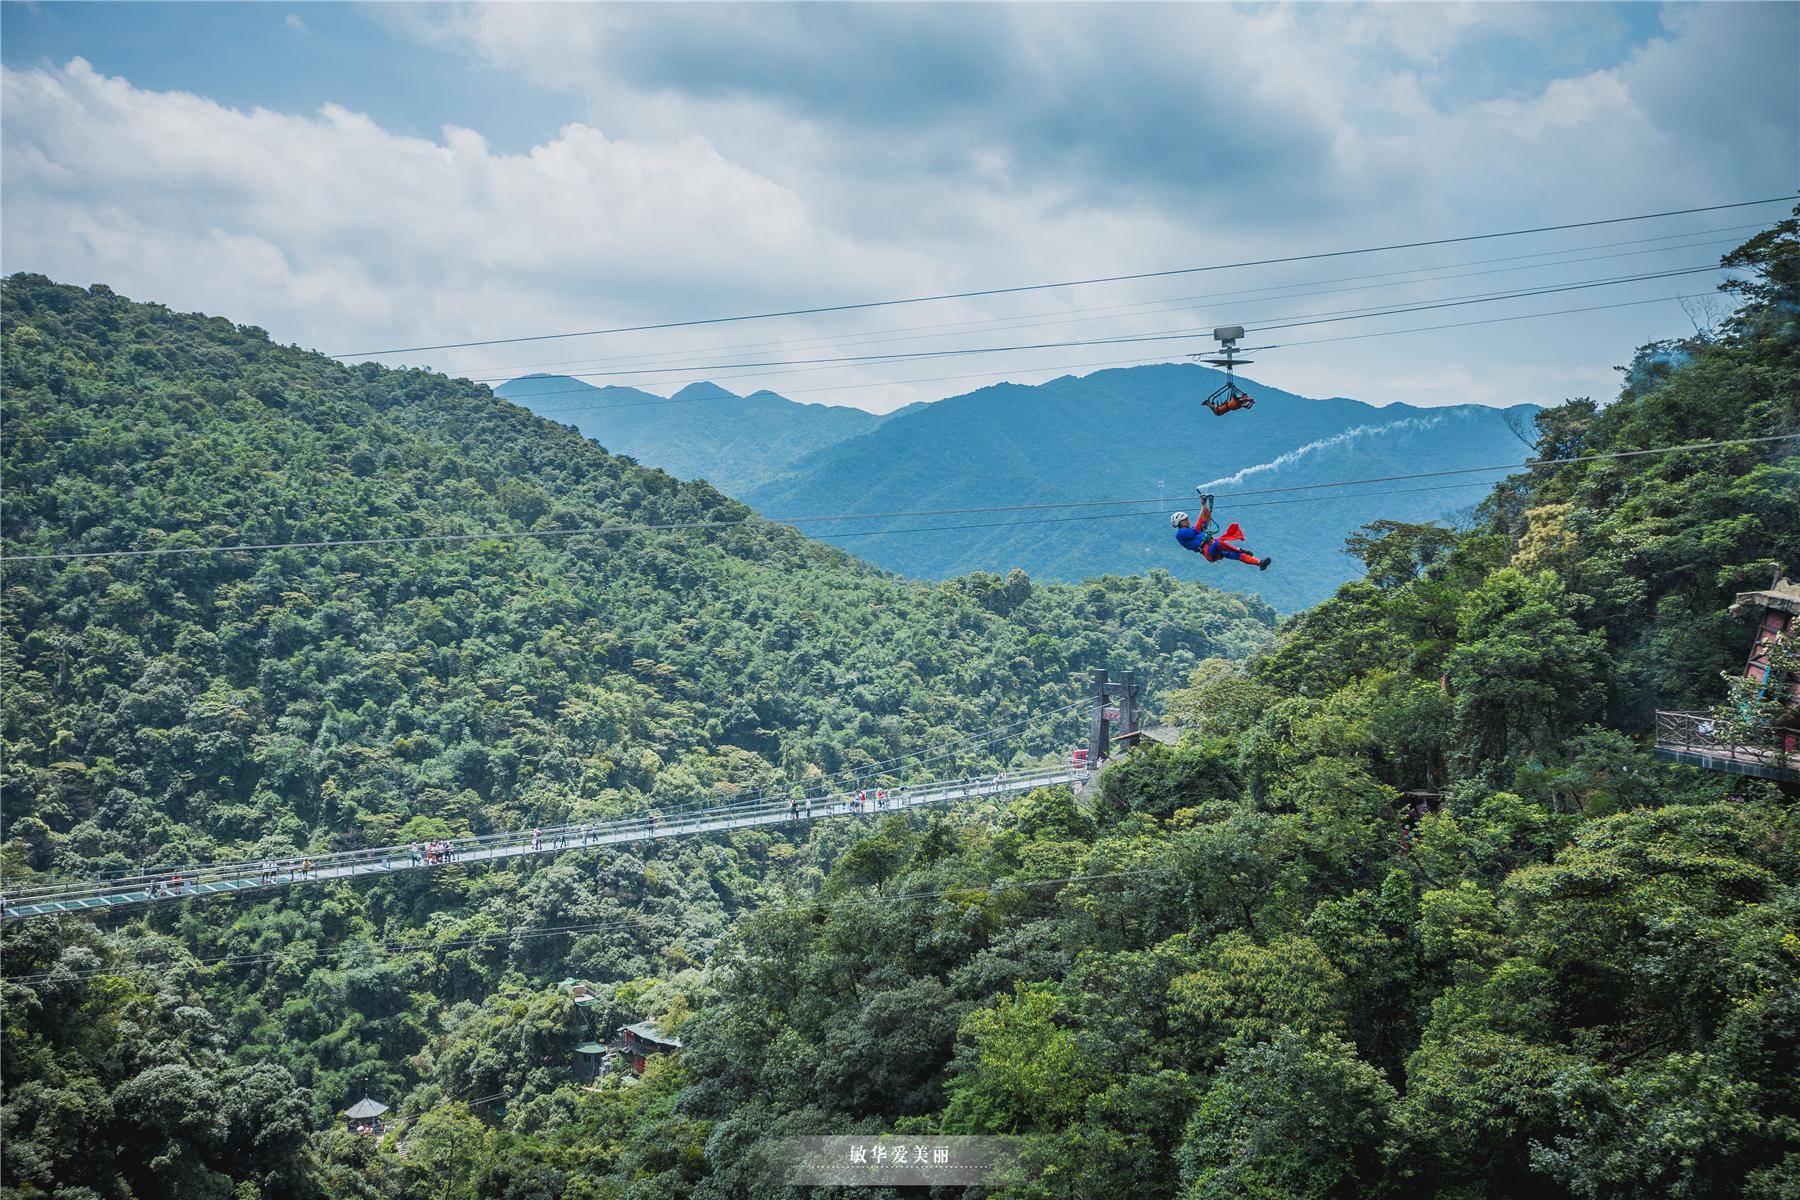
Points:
x=258, y=877
x=18, y=890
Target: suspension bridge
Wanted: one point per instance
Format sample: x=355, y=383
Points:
x=266, y=875
x=1107, y=700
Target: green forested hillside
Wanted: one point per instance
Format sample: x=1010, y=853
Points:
x=175, y=708
x=1236, y=968
x=171, y=706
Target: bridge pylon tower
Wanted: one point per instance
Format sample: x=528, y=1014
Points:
x=1111, y=701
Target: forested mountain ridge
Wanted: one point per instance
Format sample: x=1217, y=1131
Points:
x=183, y=707
x=1114, y=434
x=1238, y=968
x=135, y=428
x=1129, y=432
x=1140, y=432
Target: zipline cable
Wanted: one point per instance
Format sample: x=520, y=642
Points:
x=1005, y=375
x=1409, y=276
x=1039, y=287
x=1172, y=335
x=1164, y=358
x=996, y=374
x=739, y=522
x=1133, y=514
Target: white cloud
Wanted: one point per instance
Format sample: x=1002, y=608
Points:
x=743, y=158
x=334, y=230
x=293, y=22
x=968, y=125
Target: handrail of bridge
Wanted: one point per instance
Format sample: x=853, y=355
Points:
x=342, y=857
x=1703, y=733
x=215, y=878
x=380, y=860
x=562, y=833
x=38, y=886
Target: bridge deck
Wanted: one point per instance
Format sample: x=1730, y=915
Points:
x=236, y=877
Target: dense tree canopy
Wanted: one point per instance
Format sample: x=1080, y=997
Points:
x=1409, y=910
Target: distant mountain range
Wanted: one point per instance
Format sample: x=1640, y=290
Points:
x=735, y=443
x=1137, y=433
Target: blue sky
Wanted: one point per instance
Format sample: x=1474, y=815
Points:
x=290, y=58
x=362, y=176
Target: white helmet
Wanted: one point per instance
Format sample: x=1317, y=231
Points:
x=1177, y=520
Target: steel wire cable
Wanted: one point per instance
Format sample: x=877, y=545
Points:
x=1039, y=287
x=1165, y=358
x=1134, y=514
x=739, y=522
x=597, y=832
x=727, y=372
x=1407, y=277
x=323, y=866
x=1189, y=333
x=996, y=373
x=1006, y=374
x=64, y=884
x=1007, y=731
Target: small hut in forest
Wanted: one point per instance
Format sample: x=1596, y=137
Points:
x=365, y=1116
x=643, y=1039
x=581, y=994
x=590, y=1062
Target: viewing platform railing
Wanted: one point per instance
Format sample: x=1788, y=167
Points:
x=1700, y=739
